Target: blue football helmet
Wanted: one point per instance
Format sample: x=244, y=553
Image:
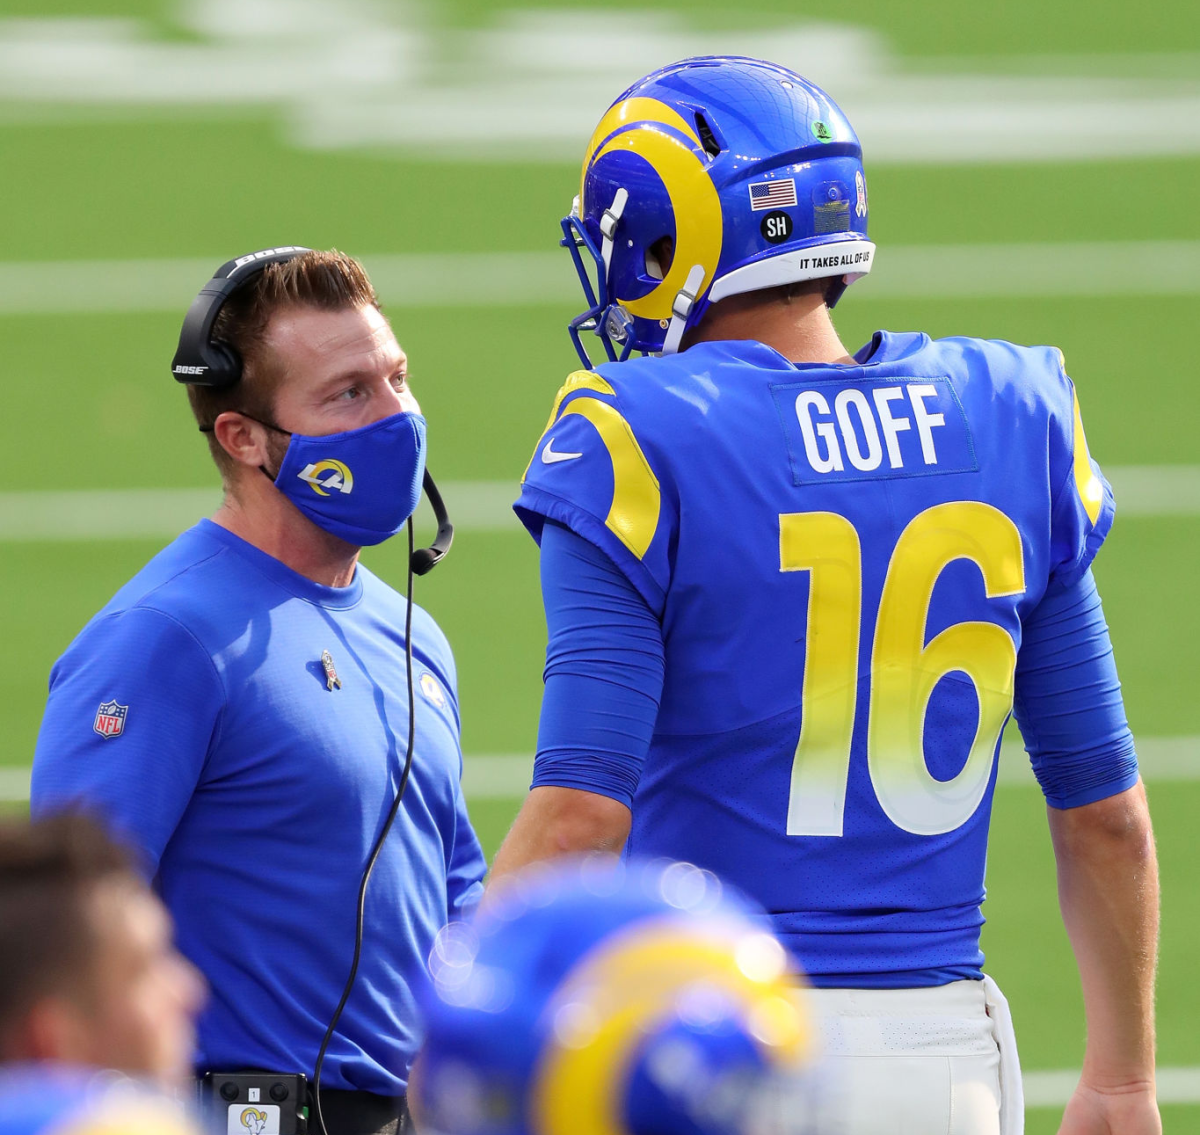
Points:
x=746, y=174
x=594, y=998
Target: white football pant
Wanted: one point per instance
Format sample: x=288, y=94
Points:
x=937, y=1061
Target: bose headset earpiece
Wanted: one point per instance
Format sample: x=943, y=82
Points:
x=199, y=361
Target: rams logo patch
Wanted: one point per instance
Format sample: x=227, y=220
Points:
x=432, y=691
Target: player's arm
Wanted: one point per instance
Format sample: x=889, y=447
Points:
x=1071, y=714
x=561, y=821
x=1108, y=892
x=138, y=773
x=604, y=673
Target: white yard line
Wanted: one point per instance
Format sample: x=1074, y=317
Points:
x=498, y=777
x=519, y=86
x=475, y=506
x=506, y=776
x=1053, y=1089
x=120, y=514
x=14, y=785
x=1160, y=759
x=510, y=279
x=458, y=279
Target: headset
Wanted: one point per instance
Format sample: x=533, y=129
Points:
x=201, y=361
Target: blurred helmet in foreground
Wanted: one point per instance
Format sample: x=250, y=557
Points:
x=595, y=998
x=49, y=1099
x=709, y=178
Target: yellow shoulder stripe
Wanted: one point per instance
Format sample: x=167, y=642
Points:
x=576, y=380
x=1091, y=491
x=637, y=496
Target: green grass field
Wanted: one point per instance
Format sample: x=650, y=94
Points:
x=88, y=403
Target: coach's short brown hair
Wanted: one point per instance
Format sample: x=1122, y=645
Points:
x=326, y=281
x=49, y=872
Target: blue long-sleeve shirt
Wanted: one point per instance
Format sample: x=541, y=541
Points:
x=195, y=714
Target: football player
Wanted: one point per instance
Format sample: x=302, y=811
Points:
x=627, y=1000
x=794, y=592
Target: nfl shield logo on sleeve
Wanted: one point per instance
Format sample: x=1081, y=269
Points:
x=110, y=719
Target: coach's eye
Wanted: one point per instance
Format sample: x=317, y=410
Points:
x=349, y=394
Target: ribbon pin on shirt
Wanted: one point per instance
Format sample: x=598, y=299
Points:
x=331, y=675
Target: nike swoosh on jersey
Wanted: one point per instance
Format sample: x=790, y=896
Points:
x=550, y=456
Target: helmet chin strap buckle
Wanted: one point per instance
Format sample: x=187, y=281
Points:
x=608, y=224
x=681, y=308
x=617, y=325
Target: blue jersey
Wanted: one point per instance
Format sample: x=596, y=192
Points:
x=245, y=728
x=53, y=1099
x=841, y=559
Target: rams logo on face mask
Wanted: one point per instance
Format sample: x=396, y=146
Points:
x=327, y=476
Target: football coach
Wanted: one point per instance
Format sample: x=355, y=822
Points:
x=243, y=709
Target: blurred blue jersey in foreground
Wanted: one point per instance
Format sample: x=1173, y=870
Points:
x=51, y=1099
x=842, y=561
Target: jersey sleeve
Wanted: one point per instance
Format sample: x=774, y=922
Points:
x=593, y=474
x=1068, y=700
x=133, y=709
x=604, y=672
x=1083, y=506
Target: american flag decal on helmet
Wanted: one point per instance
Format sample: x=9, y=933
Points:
x=110, y=719
x=772, y=194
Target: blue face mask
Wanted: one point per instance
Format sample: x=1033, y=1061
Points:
x=359, y=485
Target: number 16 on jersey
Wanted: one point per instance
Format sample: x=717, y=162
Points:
x=904, y=671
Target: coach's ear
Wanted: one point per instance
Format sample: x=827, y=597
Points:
x=244, y=439
x=51, y=1029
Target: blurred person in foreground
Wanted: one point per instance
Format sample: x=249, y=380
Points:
x=241, y=709
x=37, y=1099
x=88, y=972
x=630, y=999
x=96, y=1005
x=794, y=592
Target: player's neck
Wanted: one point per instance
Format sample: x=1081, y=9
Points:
x=265, y=518
x=799, y=327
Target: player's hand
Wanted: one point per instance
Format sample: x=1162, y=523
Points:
x=1107, y=1111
